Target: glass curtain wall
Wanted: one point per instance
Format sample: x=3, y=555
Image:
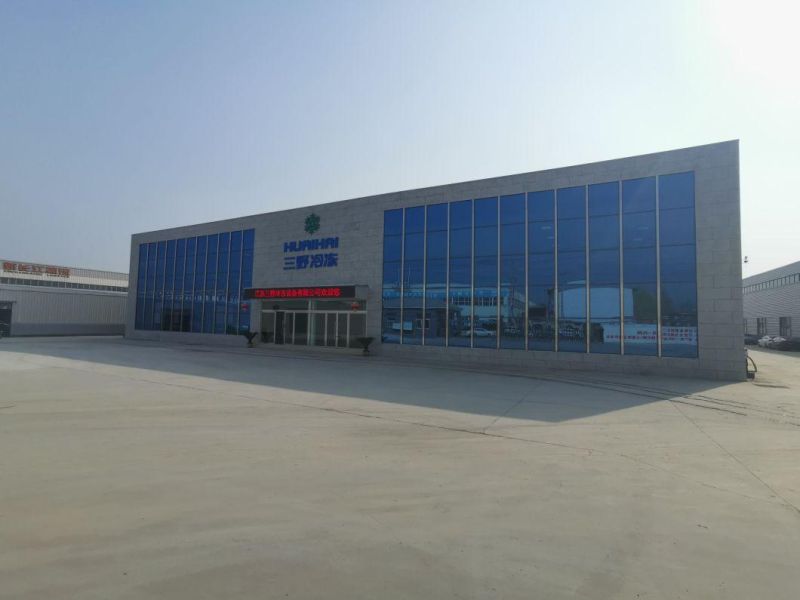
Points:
x=169, y=286
x=199, y=284
x=248, y=244
x=177, y=301
x=413, y=274
x=233, y=293
x=459, y=315
x=485, y=275
x=640, y=301
x=210, y=284
x=595, y=265
x=195, y=284
x=571, y=207
x=141, y=279
x=678, y=265
x=604, y=268
x=392, y=263
x=512, y=271
x=435, y=324
x=541, y=270
x=151, y=285
x=158, y=305
x=220, y=299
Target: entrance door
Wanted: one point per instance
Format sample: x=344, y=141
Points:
x=330, y=329
x=5, y=320
x=300, y=328
x=341, y=330
x=280, y=319
x=268, y=327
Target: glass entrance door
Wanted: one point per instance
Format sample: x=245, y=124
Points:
x=330, y=329
x=300, y=329
x=268, y=327
x=335, y=324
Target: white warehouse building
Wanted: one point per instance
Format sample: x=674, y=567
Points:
x=40, y=300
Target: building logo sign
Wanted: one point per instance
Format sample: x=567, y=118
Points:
x=312, y=224
x=317, y=260
x=37, y=270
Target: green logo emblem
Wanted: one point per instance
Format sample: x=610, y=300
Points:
x=312, y=224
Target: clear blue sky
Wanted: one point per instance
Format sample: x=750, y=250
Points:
x=120, y=117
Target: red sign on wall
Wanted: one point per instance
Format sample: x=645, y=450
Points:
x=31, y=269
x=328, y=291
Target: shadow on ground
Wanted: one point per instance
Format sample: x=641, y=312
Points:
x=548, y=396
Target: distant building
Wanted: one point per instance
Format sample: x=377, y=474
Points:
x=772, y=302
x=38, y=299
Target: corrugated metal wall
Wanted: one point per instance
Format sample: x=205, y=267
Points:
x=56, y=311
x=773, y=303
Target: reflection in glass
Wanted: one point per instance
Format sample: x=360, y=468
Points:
x=413, y=271
x=541, y=270
x=485, y=298
x=199, y=284
x=640, y=313
x=459, y=317
x=678, y=265
x=435, y=322
x=472, y=279
x=571, y=232
x=604, y=290
x=392, y=275
x=141, y=279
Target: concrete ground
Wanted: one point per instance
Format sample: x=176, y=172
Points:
x=131, y=470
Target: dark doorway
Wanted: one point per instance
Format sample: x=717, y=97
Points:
x=279, y=326
x=5, y=319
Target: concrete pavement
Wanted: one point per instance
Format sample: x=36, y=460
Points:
x=133, y=470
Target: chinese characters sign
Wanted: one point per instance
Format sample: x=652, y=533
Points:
x=316, y=260
x=339, y=291
x=31, y=269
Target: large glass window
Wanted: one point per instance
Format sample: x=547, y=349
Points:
x=541, y=270
x=150, y=286
x=677, y=260
x=169, y=286
x=221, y=293
x=571, y=269
x=392, y=265
x=485, y=274
x=512, y=271
x=435, y=323
x=248, y=243
x=640, y=306
x=460, y=273
x=234, y=283
x=141, y=283
x=604, y=272
x=188, y=285
x=199, y=283
x=413, y=274
x=212, y=244
x=578, y=266
x=177, y=298
x=195, y=284
x=158, y=305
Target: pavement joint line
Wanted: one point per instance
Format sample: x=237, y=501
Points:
x=737, y=460
x=588, y=451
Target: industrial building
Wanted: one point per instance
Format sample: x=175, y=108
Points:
x=38, y=299
x=628, y=265
x=772, y=302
